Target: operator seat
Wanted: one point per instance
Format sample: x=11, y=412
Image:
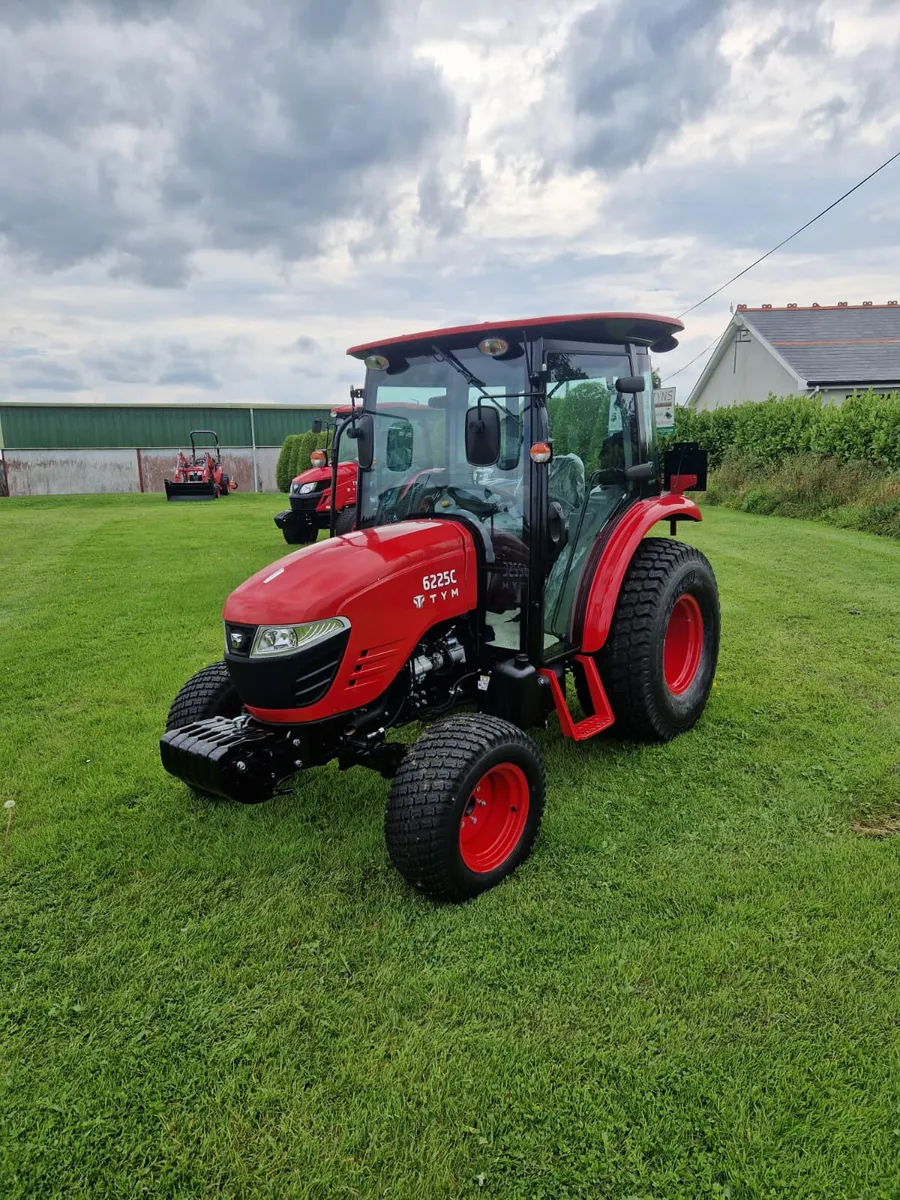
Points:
x=566, y=484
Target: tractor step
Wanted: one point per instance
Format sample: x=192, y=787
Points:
x=602, y=716
x=190, y=491
x=238, y=759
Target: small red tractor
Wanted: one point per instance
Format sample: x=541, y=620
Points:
x=201, y=477
x=310, y=510
x=487, y=570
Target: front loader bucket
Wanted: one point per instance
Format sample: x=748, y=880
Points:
x=190, y=491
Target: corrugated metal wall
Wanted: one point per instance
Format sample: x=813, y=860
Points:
x=72, y=427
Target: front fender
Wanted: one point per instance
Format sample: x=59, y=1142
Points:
x=616, y=557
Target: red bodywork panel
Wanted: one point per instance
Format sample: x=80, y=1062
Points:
x=593, y=327
x=617, y=556
x=392, y=583
x=347, y=479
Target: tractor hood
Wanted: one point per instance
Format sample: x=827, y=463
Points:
x=372, y=574
x=318, y=474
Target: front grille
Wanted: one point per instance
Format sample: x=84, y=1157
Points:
x=311, y=685
x=289, y=680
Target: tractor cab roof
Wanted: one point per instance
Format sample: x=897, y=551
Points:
x=609, y=328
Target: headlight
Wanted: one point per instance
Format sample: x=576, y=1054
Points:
x=286, y=639
x=305, y=488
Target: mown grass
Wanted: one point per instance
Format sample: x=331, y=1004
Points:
x=691, y=989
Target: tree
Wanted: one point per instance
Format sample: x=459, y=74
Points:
x=283, y=466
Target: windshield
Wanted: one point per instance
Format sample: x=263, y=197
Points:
x=420, y=466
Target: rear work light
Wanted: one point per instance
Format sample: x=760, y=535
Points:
x=318, y=458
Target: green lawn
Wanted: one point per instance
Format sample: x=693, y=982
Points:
x=690, y=990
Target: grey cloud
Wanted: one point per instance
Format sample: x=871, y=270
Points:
x=828, y=117
x=443, y=203
x=124, y=364
x=189, y=377
x=306, y=345
x=188, y=368
x=638, y=71
x=800, y=30
x=44, y=375
x=262, y=125
x=19, y=13
x=266, y=158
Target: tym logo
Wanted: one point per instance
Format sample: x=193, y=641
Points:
x=434, y=597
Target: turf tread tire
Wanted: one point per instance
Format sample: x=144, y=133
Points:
x=345, y=521
x=430, y=792
x=630, y=661
x=209, y=693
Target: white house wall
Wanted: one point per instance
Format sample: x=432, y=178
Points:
x=752, y=376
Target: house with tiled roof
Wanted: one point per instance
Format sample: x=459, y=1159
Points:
x=831, y=351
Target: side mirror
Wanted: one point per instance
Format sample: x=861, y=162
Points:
x=364, y=433
x=317, y=425
x=630, y=385
x=482, y=436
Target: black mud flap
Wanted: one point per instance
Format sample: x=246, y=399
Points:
x=685, y=467
x=238, y=760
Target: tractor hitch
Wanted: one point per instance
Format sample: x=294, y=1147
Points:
x=238, y=760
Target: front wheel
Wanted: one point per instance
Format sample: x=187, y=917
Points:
x=209, y=693
x=465, y=806
x=303, y=533
x=660, y=657
x=345, y=520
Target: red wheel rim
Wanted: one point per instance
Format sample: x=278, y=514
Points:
x=494, y=818
x=684, y=645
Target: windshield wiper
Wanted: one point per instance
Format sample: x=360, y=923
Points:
x=473, y=380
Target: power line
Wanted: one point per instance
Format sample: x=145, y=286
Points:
x=762, y=257
x=693, y=360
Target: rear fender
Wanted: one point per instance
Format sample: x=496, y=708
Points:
x=616, y=557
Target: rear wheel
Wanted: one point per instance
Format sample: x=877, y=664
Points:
x=223, y=487
x=465, y=806
x=209, y=693
x=660, y=657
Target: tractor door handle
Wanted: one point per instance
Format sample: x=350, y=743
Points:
x=556, y=526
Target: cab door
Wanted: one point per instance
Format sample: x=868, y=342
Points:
x=596, y=434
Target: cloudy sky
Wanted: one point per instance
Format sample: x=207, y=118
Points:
x=209, y=200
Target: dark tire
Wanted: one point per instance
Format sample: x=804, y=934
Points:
x=209, y=693
x=431, y=824
x=345, y=521
x=300, y=535
x=223, y=490
x=660, y=657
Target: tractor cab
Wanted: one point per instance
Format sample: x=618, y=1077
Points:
x=508, y=477
x=536, y=435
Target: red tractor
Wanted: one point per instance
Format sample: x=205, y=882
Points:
x=311, y=492
x=487, y=570
x=201, y=477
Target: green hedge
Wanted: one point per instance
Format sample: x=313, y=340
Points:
x=294, y=457
x=865, y=428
